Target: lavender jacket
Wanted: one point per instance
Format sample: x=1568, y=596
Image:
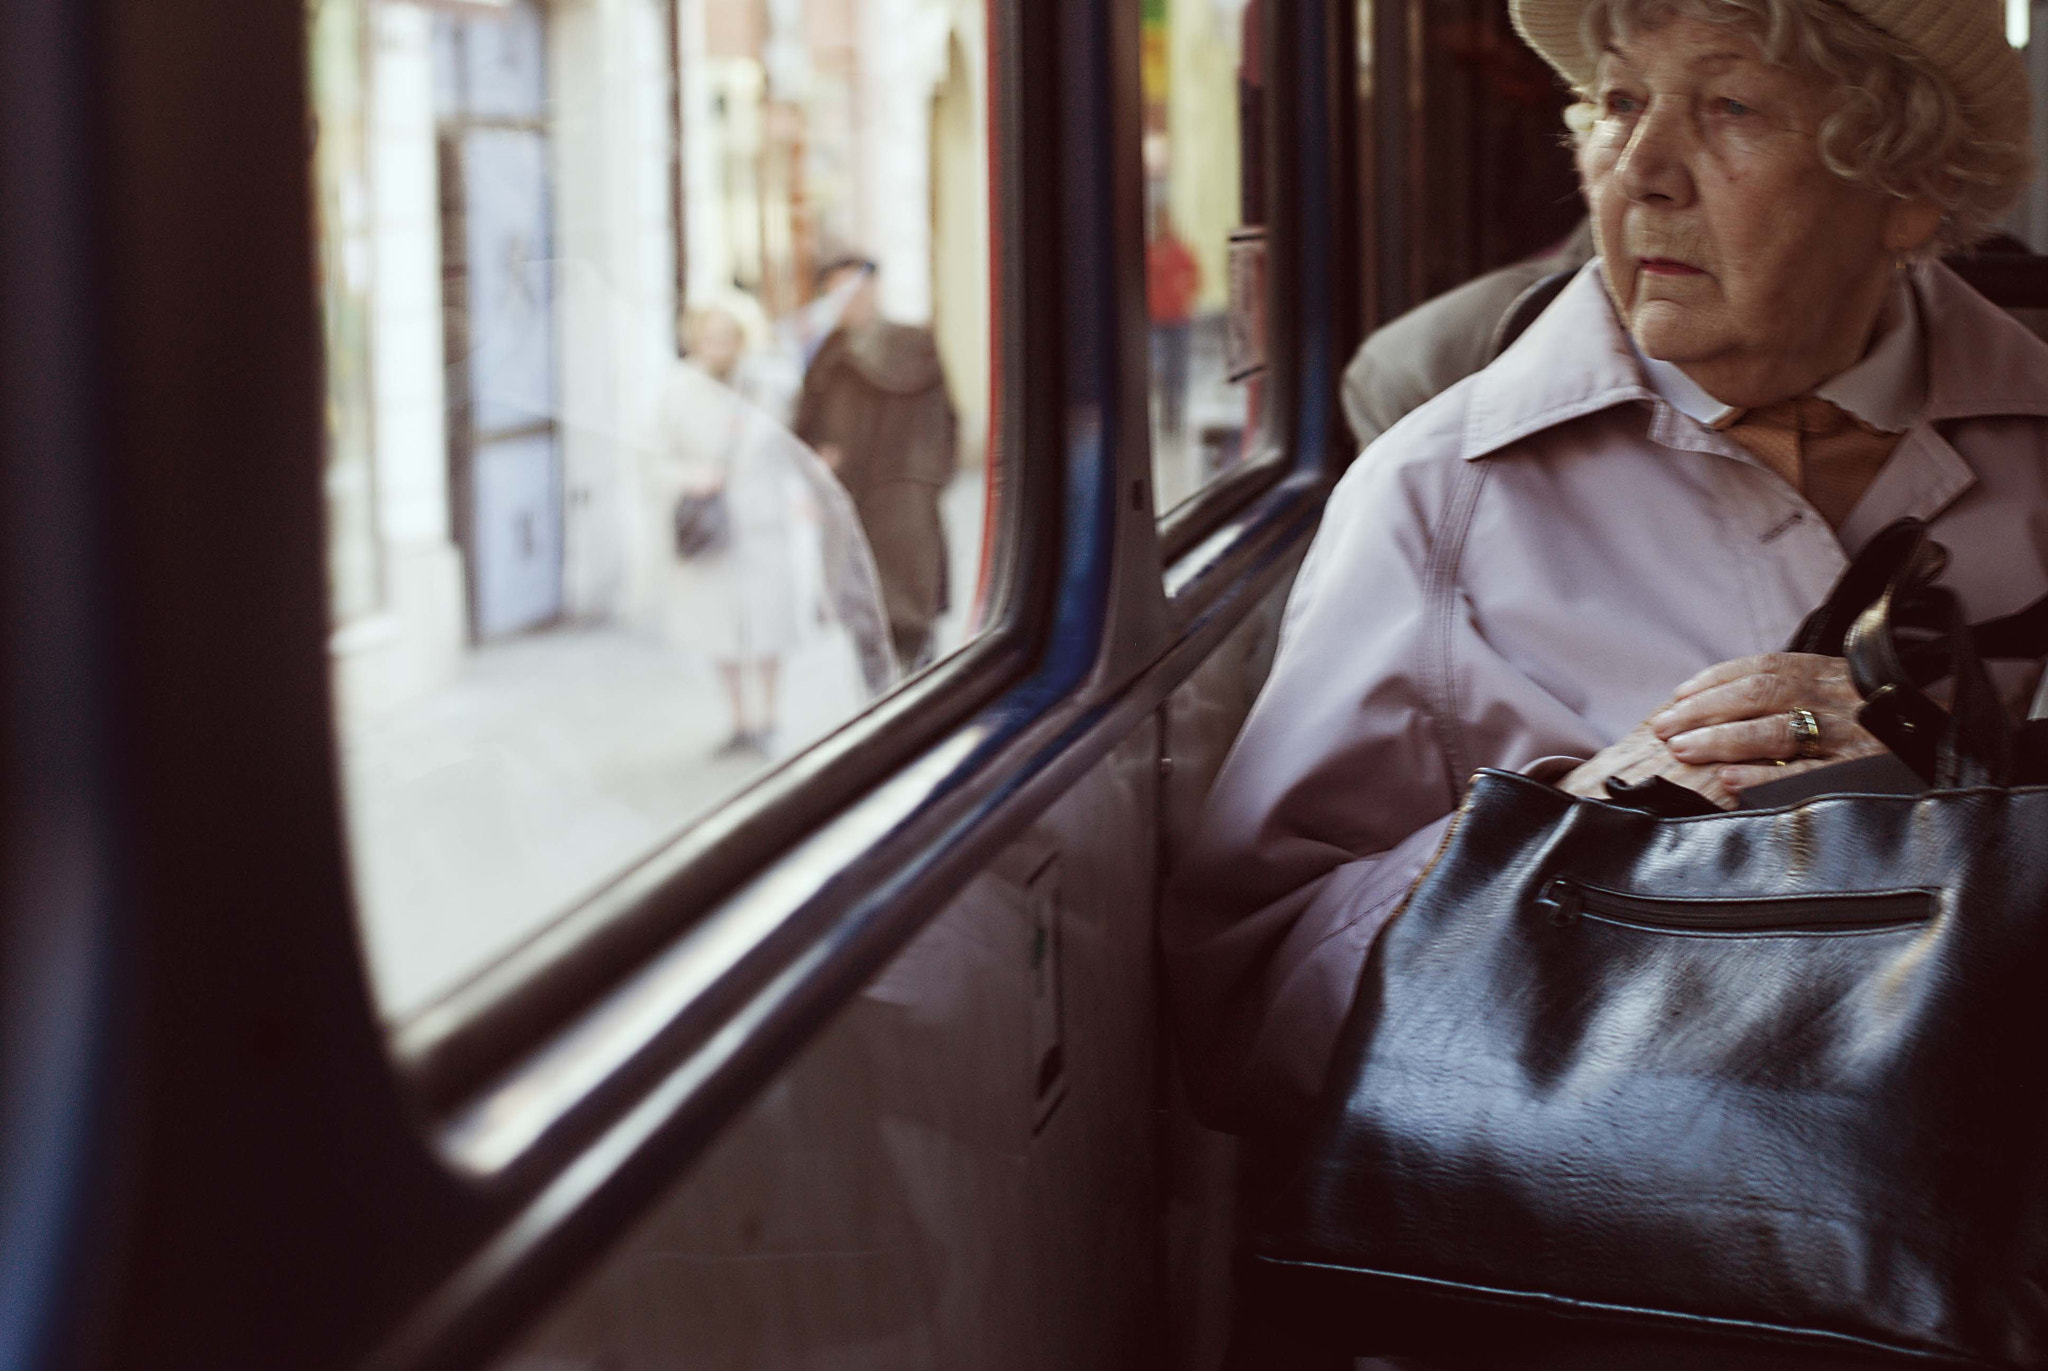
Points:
x=1514, y=576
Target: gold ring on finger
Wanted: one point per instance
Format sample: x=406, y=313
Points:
x=1805, y=734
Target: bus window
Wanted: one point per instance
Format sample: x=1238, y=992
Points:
x=1205, y=238
x=659, y=401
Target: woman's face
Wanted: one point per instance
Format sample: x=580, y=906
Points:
x=1729, y=247
x=718, y=344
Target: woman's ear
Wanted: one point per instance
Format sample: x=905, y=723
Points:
x=1911, y=225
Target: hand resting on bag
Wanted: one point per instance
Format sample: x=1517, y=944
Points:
x=1738, y=716
x=1637, y=756
x=1729, y=727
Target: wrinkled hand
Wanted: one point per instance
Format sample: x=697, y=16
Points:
x=1735, y=718
x=1638, y=756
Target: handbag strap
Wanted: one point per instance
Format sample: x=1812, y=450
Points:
x=2020, y=636
x=1894, y=550
x=1973, y=742
x=1901, y=633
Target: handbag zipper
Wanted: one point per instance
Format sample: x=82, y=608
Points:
x=1566, y=901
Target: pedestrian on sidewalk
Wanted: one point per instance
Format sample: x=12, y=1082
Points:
x=1173, y=282
x=874, y=406
x=746, y=523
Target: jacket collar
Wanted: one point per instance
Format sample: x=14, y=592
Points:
x=1981, y=362
x=1576, y=360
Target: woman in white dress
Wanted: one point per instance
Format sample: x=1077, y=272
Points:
x=781, y=559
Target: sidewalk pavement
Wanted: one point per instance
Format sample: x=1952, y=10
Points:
x=555, y=761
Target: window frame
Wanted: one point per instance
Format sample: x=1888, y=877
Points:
x=1313, y=317
x=474, y=1042
x=512, y=1004
x=1304, y=444
x=285, y=1190
x=1266, y=463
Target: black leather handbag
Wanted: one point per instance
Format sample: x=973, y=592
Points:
x=1750, y=1089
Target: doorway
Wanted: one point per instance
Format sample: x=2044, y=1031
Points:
x=505, y=451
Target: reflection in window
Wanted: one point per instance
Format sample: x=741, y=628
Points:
x=658, y=362
x=1204, y=237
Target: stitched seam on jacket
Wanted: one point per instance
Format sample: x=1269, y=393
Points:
x=1440, y=596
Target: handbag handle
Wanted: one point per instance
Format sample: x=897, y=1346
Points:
x=1900, y=634
x=1896, y=549
x=2020, y=636
x=1972, y=743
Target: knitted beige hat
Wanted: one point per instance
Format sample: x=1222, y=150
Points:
x=1963, y=40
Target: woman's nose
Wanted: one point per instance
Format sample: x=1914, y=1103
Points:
x=1656, y=163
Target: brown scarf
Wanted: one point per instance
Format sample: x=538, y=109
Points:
x=1823, y=451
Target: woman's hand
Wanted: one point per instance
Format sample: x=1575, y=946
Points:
x=1737, y=718
x=1637, y=757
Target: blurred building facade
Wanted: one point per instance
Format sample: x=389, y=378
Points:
x=515, y=201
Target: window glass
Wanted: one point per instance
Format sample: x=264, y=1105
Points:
x=1205, y=237
x=658, y=360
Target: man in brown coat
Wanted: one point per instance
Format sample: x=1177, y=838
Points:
x=874, y=406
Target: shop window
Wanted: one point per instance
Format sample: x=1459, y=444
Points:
x=1205, y=239
x=658, y=354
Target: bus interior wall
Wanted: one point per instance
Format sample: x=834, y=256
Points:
x=984, y=1161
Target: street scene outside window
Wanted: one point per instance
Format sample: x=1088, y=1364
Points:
x=1205, y=238
x=658, y=358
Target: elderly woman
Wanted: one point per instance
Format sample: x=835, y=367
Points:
x=1578, y=562
x=790, y=549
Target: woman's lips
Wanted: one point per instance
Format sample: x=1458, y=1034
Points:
x=1665, y=266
